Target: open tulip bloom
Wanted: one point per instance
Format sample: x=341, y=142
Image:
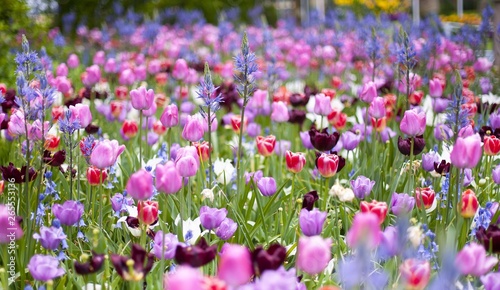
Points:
x=357, y=147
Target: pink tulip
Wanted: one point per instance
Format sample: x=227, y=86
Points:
x=168, y=179
x=472, y=260
x=181, y=69
x=467, y=152
x=73, y=61
x=183, y=278
x=365, y=230
x=368, y=92
x=193, y=130
x=413, y=123
x=279, y=112
x=235, y=265
x=127, y=77
x=99, y=58
x=435, y=88
x=141, y=98
x=62, y=70
x=105, y=153
x=170, y=117
x=82, y=114
x=313, y=254
x=140, y=185
x=92, y=76
x=377, y=108
x=10, y=230
x=322, y=105
x=187, y=161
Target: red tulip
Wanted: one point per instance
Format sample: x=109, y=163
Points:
x=57, y=112
x=130, y=128
x=379, y=124
x=379, y=208
x=147, y=211
x=415, y=273
x=469, y=204
x=236, y=123
x=337, y=119
x=491, y=145
x=116, y=108
x=327, y=164
x=51, y=142
x=95, y=176
x=121, y=92
x=158, y=128
x=203, y=150
x=265, y=145
x=425, y=196
x=295, y=161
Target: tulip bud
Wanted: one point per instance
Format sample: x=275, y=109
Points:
x=469, y=204
x=147, y=211
x=95, y=176
x=265, y=145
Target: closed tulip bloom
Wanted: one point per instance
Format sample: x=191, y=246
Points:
x=130, y=128
x=50, y=238
x=472, y=260
x=306, y=140
x=105, y=153
x=279, y=112
x=181, y=69
x=466, y=152
x=365, y=230
x=141, y=98
x=96, y=176
x=45, y=268
x=491, y=145
x=415, y=273
x=193, y=130
x=81, y=113
x=140, y=185
x=425, y=197
x=311, y=222
x=235, y=265
x=322, y=105
x=170, y=116
x=211, y=218
x=147, y=211
x=350, y=140
x=151, y=111
x=184, y=277
x=168, y=179
x=377, y=108
x=379, y=208
x=267, y=186
x=226, y=229
x=322, y=140
x=469, y=204
x=428, y=160
x=362, y=186
x=402, y=203
x=442, y=132
x=73, y=61
x=313, y=254
x=435, y=88
x=92, y=75
x=295, y=161
x=491, y=281
x=69, y=213
x=203, y=149
x=327, y=164
x=187, y=166
x=413, y=123
x=265, y=145
x=368, y=92
x=404, y=145
x=496, y=174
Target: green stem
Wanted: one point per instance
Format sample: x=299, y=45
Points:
x=209, y=120
x=140, y=139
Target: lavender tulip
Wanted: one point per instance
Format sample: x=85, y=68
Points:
x=267, y=186
x=45, y=268
x=50, y=238
x=165, y=245
x=226, y=229
x=402, y=203
x=69, y=213
x=311, y=222
x=362, y=186
x=211, y=218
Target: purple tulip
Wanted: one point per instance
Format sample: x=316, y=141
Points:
x=467, y=152
x=69, y=213
x=362, y=186
x=496, y=174
x=45, y=268
x=428, y=160
x=311, y=222
x=306, y=140
x=267, y=186
x=253, y=130
x=439, y=105
x=466, y=131
x=402, y=203
x=140, y=185
x=495, y=120
x=226, y=229
x=389, y=244
x=211, y=218
x=50, y=238
x=165, y=245
x=473, y=260
x=442, y=132
x=413, y=123
x=491, y=281
x=350, y=140
x=281, y=147
x=141, y=98
x=9, y=229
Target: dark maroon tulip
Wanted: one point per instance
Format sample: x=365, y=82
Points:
x=143, y=262
x=92, y=129
x=296, y=116
x=73, y=102
x=309, y=199
x=270, y=259
x=490, y=238
x=197, y=255
x=18, y=175
x=229, y=94
x=442, y=168
x=323, y=141
x=310, y=91
x=404, y=145
x=56, y=159
x=93, y=265
x=488, y=131
x=299, y=100
x=10, y=101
